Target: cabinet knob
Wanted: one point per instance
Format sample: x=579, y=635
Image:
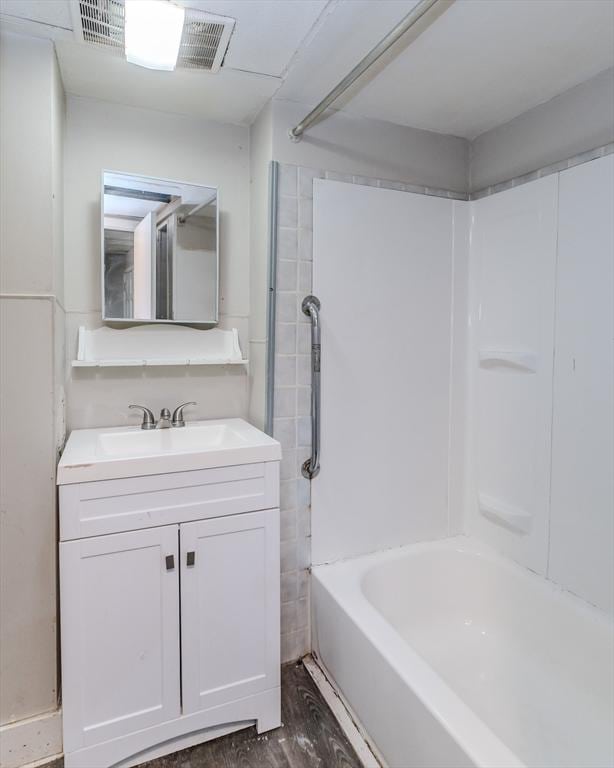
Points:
x=170, y=562
x=191, y=558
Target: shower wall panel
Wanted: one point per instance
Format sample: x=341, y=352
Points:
x=383, y=270
x=513, y=262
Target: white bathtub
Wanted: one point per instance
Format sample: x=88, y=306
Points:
x=450, y=655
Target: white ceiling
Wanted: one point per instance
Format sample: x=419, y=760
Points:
x=477, y=65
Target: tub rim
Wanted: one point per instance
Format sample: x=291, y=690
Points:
x=343, y=581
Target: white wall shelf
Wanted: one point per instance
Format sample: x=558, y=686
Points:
x=150, y=363
x=505, y=514
x=157, y=345
x=517, y=359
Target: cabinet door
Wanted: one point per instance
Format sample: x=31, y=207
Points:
x=229, y=608
x=120, y=634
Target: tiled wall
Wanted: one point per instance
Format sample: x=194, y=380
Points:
x=583, y=157
x=292, y=424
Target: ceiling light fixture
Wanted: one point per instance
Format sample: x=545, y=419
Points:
x=153, y=33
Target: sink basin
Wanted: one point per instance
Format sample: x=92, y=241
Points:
x=104, y=454
x=193, y=437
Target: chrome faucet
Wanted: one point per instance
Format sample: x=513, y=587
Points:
x=165, y=421
x=178, y=420
x=149, y=422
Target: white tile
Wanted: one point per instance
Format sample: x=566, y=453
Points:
x=285, y=338
x=303, y=552
x=303, y=432
x=305, y=245
x=287, y=180
x=287, y=530
x=305, y=181
x=286, y=307
x=301, y=455
x=287, y=275
x=305, y=213
x=289, y=617
x=303, y=339
x=290, y=584
x=288, y=467
x=303, y=521
x=302, y=613
x=303, y=370
x=287, y=211
x=365, y=181
x=304, y=277
x=284, y=401
x=287, y=243
x=303, y=578
x=288, y=556
x=294, y=645
x=397, y=185
x=303, y=494
x=303, y=401
x=287, y=496
x=284, y=430
x=334, y=176
x=285, y=370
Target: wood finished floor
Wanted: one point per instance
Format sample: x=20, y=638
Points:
x=310, y=737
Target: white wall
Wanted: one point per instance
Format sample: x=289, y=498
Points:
x=113, y=137
x=374, y=148
x=32, y=115
x=576, y=121
x=541, y=441
x=261, y=154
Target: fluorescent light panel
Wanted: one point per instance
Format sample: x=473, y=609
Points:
x=153, y=33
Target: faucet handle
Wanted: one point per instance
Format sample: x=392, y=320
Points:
x=149, y=421
x=178, y=420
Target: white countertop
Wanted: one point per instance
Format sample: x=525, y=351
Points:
x=116, y=452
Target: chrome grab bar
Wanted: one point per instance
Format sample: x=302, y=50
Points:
x=311, y=307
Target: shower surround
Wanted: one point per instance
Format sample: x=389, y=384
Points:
x=292, y=376
x=292, y=394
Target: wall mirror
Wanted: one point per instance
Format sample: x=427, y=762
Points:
x=159, y=250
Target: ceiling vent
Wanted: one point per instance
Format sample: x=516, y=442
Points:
x=204, y=41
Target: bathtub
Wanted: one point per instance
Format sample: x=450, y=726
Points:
x=450, y=655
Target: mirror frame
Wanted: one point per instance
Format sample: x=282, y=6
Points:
x=135, y=321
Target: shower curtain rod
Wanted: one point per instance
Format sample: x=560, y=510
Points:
x=374, y=54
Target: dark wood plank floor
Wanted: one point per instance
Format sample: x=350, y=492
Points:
x=310, y=737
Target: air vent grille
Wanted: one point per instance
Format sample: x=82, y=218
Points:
x=200, y=42
x=203, y=44
x=102, y=22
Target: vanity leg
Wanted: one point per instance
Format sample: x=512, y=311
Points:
x=269, y=716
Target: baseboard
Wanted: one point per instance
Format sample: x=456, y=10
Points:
x=367, y=752
x=33, y=740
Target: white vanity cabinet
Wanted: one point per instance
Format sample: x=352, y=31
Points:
x=169, y=588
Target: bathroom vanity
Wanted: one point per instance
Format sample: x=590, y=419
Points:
x=169, y=585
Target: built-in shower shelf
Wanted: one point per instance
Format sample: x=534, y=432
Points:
x=516, y=359
x=157, y=345
x=505, y=514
